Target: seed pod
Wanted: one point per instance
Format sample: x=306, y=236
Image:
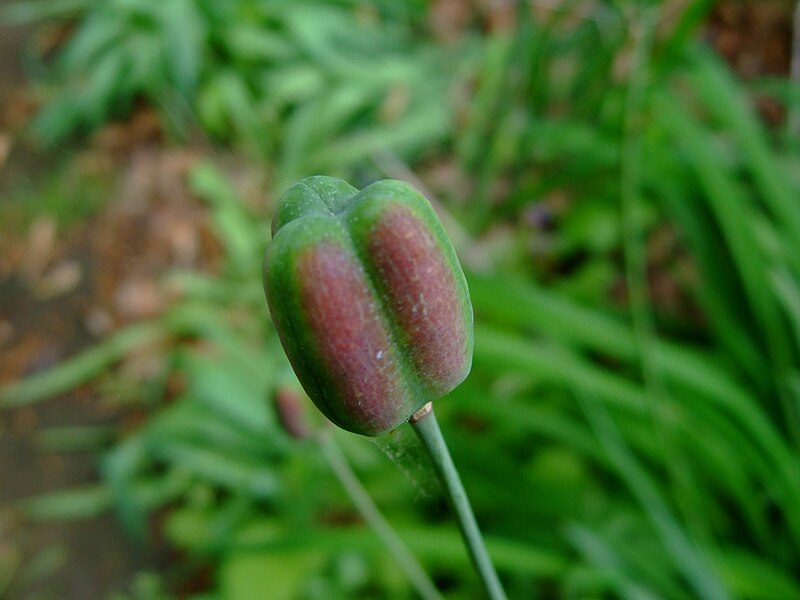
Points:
x=369, y=300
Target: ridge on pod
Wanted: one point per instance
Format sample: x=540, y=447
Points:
x=369, y=300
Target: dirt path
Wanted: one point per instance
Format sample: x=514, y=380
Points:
x=71, y=560
x=63, y=287
x=51, y=307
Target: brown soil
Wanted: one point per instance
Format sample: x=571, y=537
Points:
x=62, y=288
x=60, y=291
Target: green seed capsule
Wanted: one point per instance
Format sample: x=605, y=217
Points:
x=369, y=300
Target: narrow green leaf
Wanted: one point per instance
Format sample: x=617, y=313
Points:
x=78, y=503
x=73, y=372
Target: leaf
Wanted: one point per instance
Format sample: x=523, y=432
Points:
x=77, y=503
x=733, y=211
x=268, y=576
x=24, y=13
x=73, y=372
x=185, y=42
x=686, y=555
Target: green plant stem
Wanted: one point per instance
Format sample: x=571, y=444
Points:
x=372, y=515
x=427, y=428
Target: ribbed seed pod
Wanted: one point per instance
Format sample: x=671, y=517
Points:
x=369, y=300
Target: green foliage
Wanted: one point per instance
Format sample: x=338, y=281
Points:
x=312, y=85
x=612, y=444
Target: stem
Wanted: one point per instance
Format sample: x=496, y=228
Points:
x=372, y=515
x=427, y=429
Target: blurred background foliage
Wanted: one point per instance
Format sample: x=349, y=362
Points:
x=625, y=205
